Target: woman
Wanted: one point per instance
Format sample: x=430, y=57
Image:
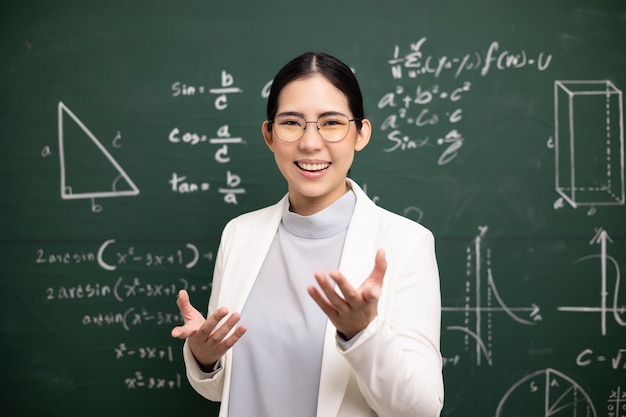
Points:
x=364, y=341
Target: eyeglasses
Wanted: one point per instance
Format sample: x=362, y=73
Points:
x=332, y=127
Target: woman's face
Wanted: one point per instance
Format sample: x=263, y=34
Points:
x=315, y=170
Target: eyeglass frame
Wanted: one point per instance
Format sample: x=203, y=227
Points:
x=307, y=122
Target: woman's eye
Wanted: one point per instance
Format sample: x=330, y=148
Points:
x=290, y=122
x=332, y=122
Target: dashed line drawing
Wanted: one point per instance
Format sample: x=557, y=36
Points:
x=479, y=273
x=546, y=393
x=602, y=238
x=589, y=143
x=118, y=184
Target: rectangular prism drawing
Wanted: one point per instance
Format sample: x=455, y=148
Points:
x=589, y=142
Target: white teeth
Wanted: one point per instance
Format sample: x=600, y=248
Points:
x=313, y=167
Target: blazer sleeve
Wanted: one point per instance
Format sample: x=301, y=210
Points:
x=254, y=230
x=396, y=360
x=211, y=387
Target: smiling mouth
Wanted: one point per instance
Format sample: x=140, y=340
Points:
x=313, y=167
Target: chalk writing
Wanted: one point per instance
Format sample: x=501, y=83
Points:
x=616, y=404
x=436, y=112
x=122, y=290
x=588, y=356
x=230, y=193
x=130, y=318
x=480, y=294
x=139, y=381
x=189, y=183
x=417, y=62
x=180, y=185
x=64, y=258
x=180, y=89
x=603, y=185
x=122, y=351
x=608, y=267
x=189, y=256
x=413, y=111
x=223, y=139
x=111, y=255
x=548, y=390
x=451, y=361
x=117, y=183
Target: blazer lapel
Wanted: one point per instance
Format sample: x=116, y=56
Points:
x=250, y=244
x=357, y=261
x=248, y=247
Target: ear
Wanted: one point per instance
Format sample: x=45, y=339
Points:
x=267, y=135
x=363, y=135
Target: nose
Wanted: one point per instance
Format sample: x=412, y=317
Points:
x=311, y=137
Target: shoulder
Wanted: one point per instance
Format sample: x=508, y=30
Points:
x=405, y=223
x=388, y=222
x=402, y=228
x=261, y=217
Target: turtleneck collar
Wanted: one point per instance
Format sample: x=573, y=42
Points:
x=332, y=220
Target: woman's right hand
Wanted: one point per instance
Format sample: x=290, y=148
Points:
x=206, y=341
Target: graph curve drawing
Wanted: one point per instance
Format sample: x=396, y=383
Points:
x=88, y=170
x=607, y=265
x=546, y=393
x=483, y=300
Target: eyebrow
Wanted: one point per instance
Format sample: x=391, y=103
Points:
x=326, y=113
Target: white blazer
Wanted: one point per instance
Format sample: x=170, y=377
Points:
x=394, y=369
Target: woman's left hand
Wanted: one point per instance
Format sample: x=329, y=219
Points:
x=358, y=307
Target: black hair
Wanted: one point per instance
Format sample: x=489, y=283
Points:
x=334, y=70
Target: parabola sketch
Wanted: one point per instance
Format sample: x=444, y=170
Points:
x=88, y=171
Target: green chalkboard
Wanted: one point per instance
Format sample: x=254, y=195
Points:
x=131, y=135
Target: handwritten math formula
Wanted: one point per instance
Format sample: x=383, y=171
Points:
x=182, y=183
x=129, y=286
x=111, y=255
x=425, y=107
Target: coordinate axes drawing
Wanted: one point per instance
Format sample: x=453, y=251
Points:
x=481, y=286
x=602, y=239
x=88, y=172
x=589, y=143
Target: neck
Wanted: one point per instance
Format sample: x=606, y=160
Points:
x=307, y=206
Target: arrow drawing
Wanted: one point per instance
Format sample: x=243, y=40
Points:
x=602, y=238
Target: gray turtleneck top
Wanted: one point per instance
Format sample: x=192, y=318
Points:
x=276, y=365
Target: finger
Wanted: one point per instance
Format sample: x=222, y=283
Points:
x=329, y=291
x=188, y=329
x=350, y=294
x=322, y=302
x=371, y=287
x=183, y=299
x=178, y=332
x=220, y=333
x=378, y=272
x=186, y=309
x=189, y=313
x=183, y=332
x=234, y=338
x=371, y=292
x=380, y=266
x=208, y=326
